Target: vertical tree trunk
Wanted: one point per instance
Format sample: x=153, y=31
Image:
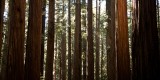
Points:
x=63, y=46
x=15, y=62
x=90, y=43
x=123, y=60
x=33, y=48
x=50, y=41
x=77, y=52
x=43, y=36
x=69, y=40
x=111, y=54
x=145, y=49
x=135, y=58
x=63, y=56
x=97, y=38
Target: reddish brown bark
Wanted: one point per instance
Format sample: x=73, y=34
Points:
x=145, y=49
x=33, y=48
x=15, y=62
x=123, y=60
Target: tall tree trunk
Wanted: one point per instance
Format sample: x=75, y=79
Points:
x=69, y=40
x=111, y=54
x=15, y=62
x=50, y=41
x=63, y=46
x=43, y=36
x=77, y=52
x=145, y=49
x=97, y=38
x=33, y=48
x=63, y=56
x=135, y=58
x=123, y=60
x=90, y=43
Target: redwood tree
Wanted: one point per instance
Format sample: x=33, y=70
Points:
x=77, y=46
x=15, y=62
x=33, y=47
x=63, y=46
x=123, y=60
x=111, y=53
x=50, y=41
x=145, y=48
x=63, y=53
x=90, y=43
x=97, y=38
